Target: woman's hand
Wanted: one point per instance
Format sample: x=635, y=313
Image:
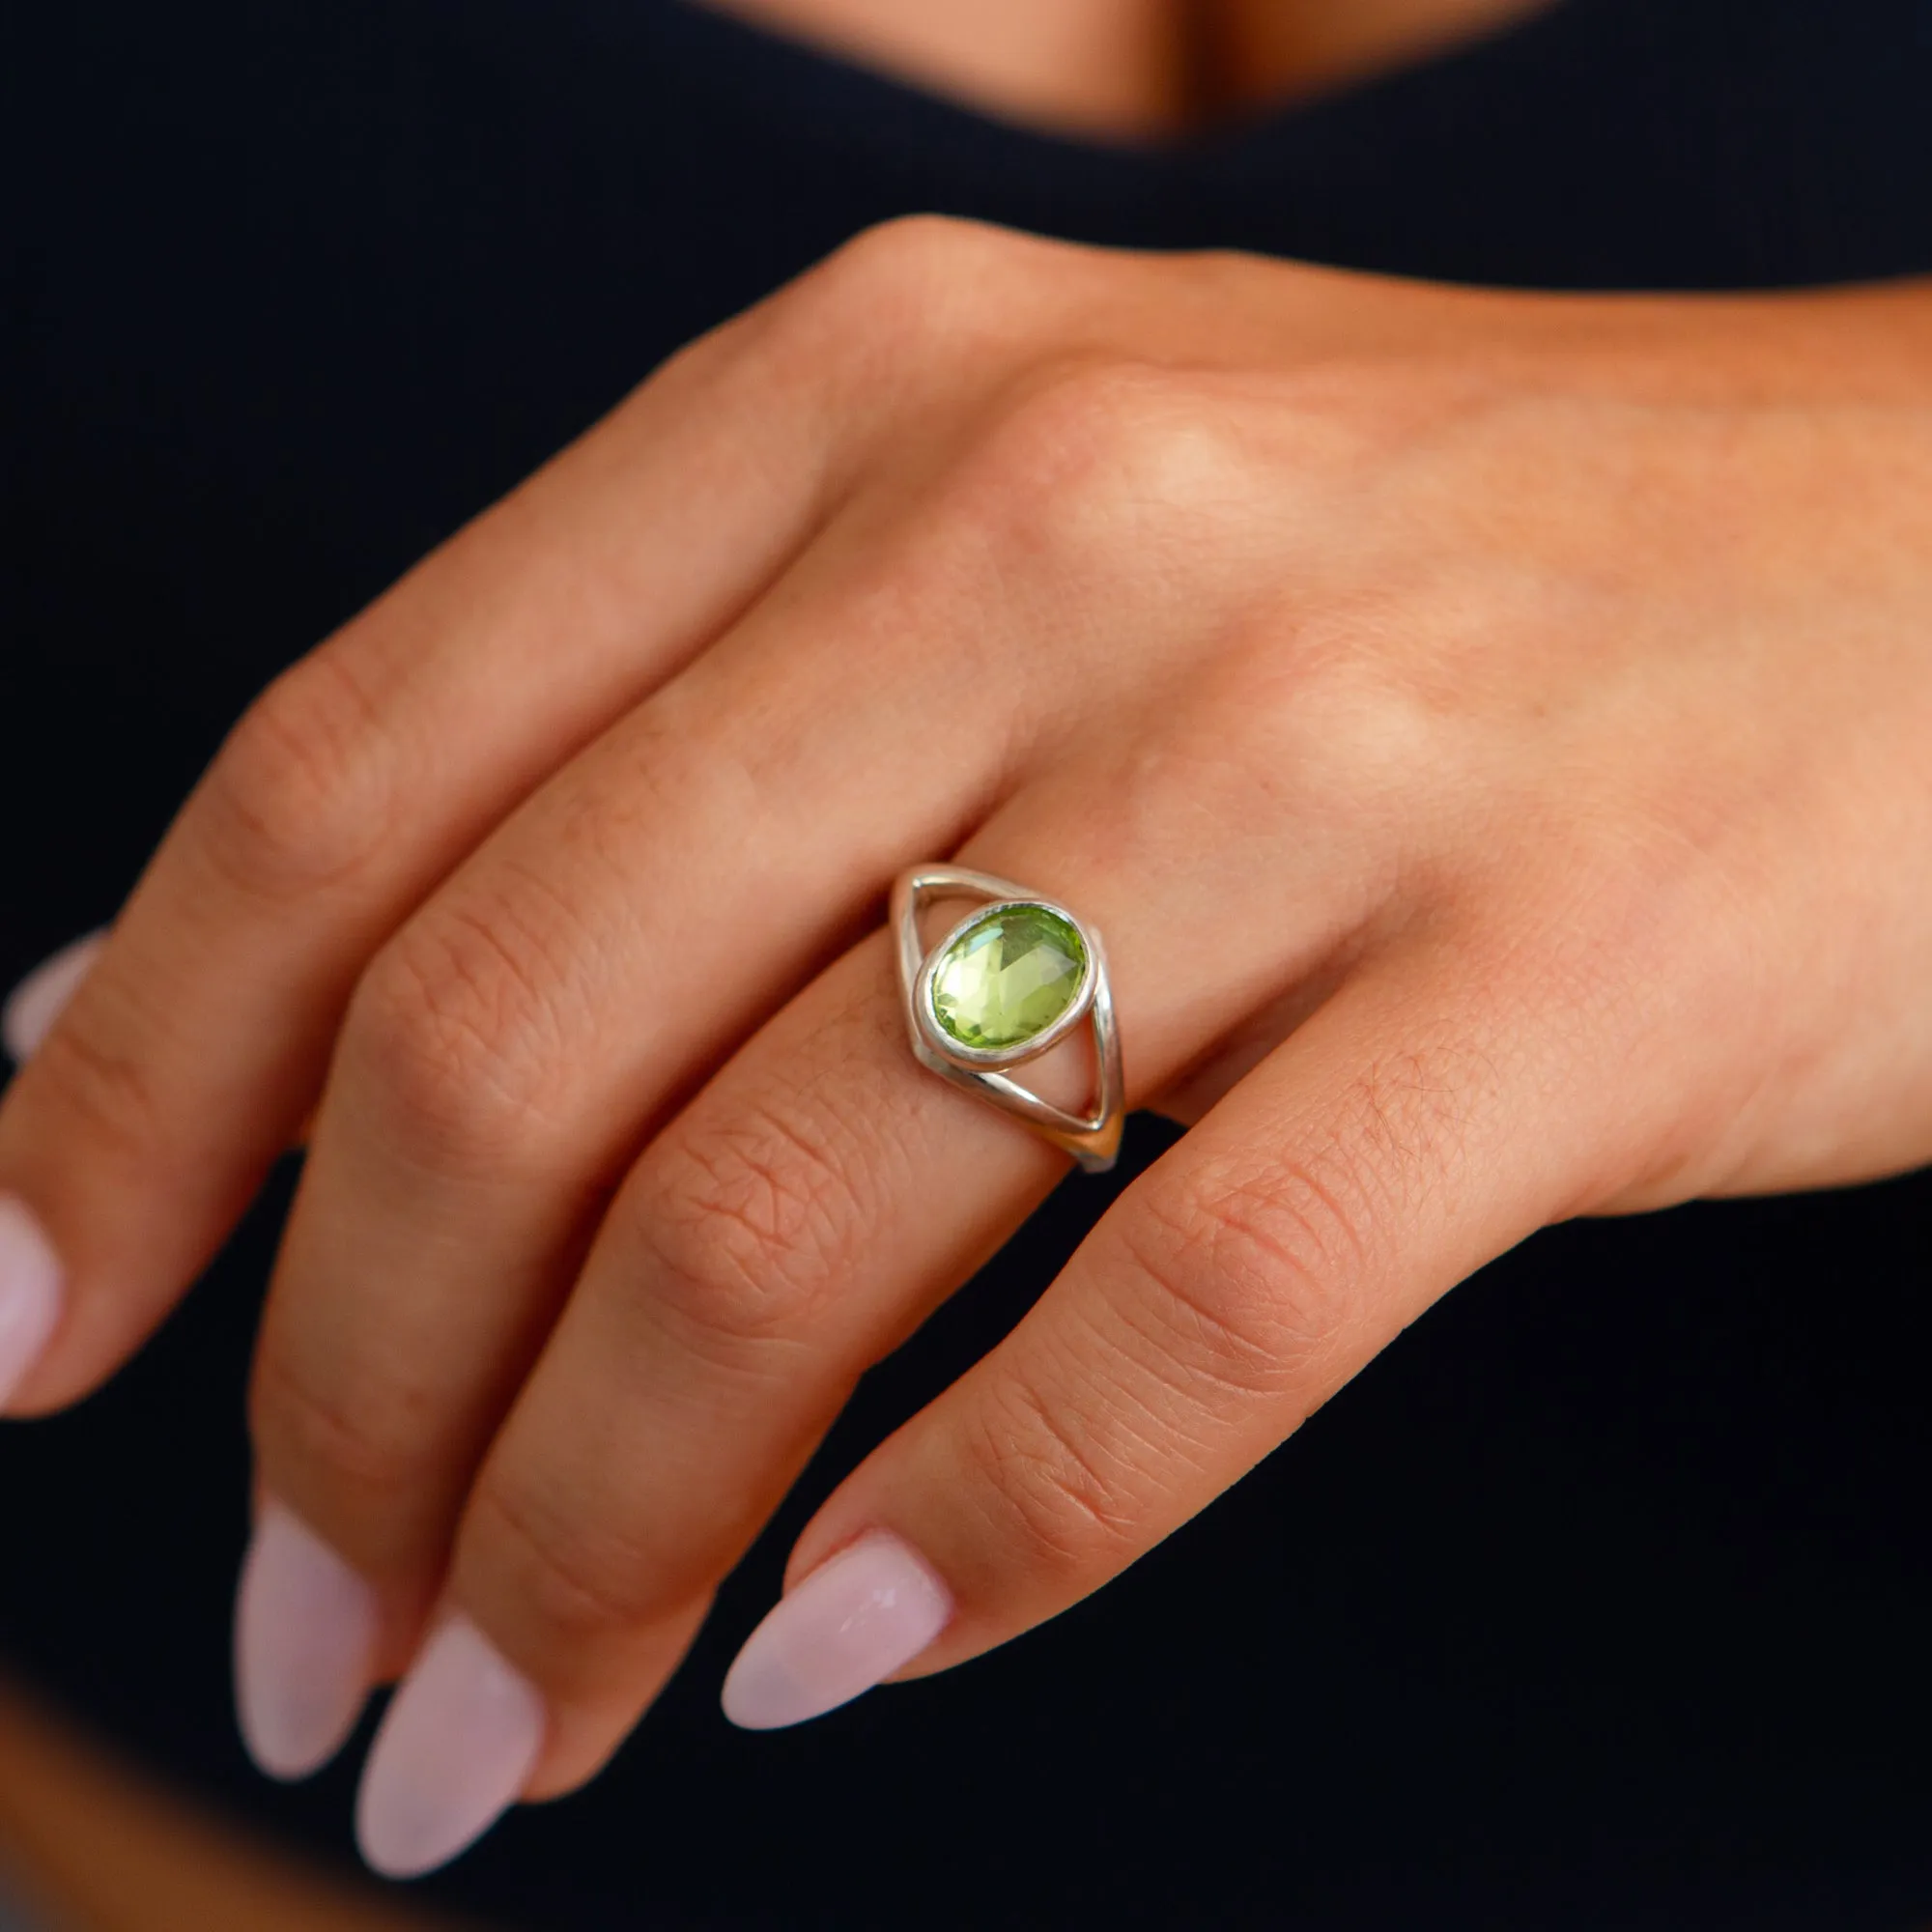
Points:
x=1493, y=733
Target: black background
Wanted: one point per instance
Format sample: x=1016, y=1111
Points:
x=1599, y=1601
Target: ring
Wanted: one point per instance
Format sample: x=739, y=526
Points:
x=1013, y=979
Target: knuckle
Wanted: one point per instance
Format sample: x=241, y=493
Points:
x=574, y=1582
x=455, y=1031
x=1248, y=1280
x=915, y=260
x=299, y=798
x=1257, y=1272
x=907, y=292
x=753, y=1223
x=102, y=1086
x=1097, y=458
x=356, y=1450
x=1206, y=765
x=1363, y=724
x=1313, y=706
x=1071, y=1511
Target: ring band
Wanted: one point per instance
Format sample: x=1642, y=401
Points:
x=1010, y=981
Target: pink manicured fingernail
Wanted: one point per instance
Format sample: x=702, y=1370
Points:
x=30, y=1293
x=304, y=1642
x=854, y=1621
x=34, y=1006
x=453, y=1755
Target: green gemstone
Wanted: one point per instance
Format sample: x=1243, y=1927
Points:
x=1007, y=977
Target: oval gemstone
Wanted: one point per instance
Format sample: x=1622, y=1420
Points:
x=1007, y=977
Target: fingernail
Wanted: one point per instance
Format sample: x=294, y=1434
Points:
x=30, y=1293
x=304, y=1642
x=34, y=1006
x=453, y=1755
x=854, y=1621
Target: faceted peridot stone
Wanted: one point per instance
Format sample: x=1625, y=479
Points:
x=1007, y=977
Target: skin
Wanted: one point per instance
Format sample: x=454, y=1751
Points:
x=1105, y=67
x=1130, y=68
x=1520, y=702
x=1543, y=680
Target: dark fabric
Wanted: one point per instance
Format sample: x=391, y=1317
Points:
x=1599, y=1601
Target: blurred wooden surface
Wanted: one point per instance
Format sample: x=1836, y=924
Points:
x=90, y=1845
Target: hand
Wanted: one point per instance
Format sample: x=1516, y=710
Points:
x=1490, y=730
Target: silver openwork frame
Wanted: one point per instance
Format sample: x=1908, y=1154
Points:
x=1092, y=1139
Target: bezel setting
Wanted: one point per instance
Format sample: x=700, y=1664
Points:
x=1092, y=1139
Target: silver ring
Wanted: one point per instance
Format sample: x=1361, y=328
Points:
x=1007, y=984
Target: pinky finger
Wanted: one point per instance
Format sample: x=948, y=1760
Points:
x=29, y=1288
x=33, y=1006
x=1400, y=1138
